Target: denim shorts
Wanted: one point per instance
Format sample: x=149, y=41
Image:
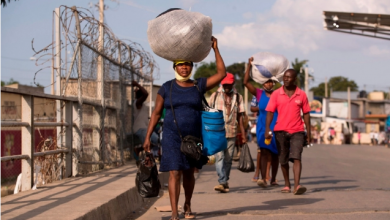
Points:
x=290, y=146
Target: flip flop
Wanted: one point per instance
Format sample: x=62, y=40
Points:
x=300, y=190
x=274, y=184
x=255, y=179
x=189, y=215
x=262, y=183
x=286, y=189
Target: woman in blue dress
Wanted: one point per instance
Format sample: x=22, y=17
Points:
x=269, y=153
x=187, y=104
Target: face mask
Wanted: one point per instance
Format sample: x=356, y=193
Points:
x=182, y=79
x=223, y=90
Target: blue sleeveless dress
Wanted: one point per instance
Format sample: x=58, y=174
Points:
x=260, y=126
x=187, y=105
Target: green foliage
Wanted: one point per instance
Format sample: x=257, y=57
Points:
x=4, y=2
x=337, y=83
x=238, y=70
x=206, y=70
x=11, y=81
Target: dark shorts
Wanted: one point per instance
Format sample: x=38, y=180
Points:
x=290, y=146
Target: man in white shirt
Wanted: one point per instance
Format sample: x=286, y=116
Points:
x=141, y=118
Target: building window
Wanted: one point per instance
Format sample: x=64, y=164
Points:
x=9, y=107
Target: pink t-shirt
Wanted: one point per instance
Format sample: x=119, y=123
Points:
x=289, y=110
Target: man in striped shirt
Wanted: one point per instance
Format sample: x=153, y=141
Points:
x=231, y=103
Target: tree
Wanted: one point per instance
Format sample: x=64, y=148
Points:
x=4, y=2
x=2, y=83
x=337, y=83
x=238, y=70
x=299, y=66
x=206, y=70
x=11, y=81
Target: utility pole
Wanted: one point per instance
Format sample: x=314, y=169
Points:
x=349, y=103
x=100, y=80
x=57, y=69
x=246, y=92
x=306, y=80
x=326, y=87
x=100, y=67
x=388, y=95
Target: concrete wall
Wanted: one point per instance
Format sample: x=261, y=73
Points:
x=340, y=110
x=376, y=108
x=364, y=138
x=376, y=96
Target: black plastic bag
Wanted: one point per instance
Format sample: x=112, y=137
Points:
x=146, y=181
x=246, y=164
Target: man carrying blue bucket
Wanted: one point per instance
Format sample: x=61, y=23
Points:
x=231, y=103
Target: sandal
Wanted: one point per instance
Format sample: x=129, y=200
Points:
x=189, y=215
x=255, y=179
x=274, y=184
x=286, y=189
x=300, y=190
x=262, y=183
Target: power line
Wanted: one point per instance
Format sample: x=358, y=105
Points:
x=10, y=58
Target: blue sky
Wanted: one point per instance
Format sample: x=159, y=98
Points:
x=293, y=28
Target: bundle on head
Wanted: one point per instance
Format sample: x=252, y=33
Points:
x=177, y=34
x=266, y=66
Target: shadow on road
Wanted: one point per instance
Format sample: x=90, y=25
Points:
x=335, y=188
x=327, y=182
x=266, y=206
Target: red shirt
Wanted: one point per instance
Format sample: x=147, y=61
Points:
x=289, y=110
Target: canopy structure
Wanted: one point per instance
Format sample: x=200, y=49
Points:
x=370, y=25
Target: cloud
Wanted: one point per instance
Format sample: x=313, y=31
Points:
x=187, y=4
x=294, y=25
x=135, y=5
x=376, y=51
x=247, y=15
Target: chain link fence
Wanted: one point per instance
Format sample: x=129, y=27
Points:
x=97, y=74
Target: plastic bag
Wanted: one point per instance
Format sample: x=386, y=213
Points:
x=180, y=35
x=146, y=181
x=266, y=66
x=246, y=164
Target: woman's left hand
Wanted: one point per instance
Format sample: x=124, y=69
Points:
x=214, y=43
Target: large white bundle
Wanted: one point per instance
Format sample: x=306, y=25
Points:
x=181, y=35
x=266, y=66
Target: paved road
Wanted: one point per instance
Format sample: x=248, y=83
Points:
x=344, y=182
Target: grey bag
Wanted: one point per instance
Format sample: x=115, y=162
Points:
x=180, y=35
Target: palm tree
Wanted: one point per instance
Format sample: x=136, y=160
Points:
x=298, y=66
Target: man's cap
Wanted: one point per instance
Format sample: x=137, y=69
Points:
x=229, y=79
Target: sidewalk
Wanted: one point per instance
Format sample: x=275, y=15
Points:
x=108, y=194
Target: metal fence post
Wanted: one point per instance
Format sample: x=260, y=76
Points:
x=68, y=137
x=77, y=138
x=28, y=142
x=122, y=100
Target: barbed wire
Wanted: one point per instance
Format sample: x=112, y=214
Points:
x=132, y=54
